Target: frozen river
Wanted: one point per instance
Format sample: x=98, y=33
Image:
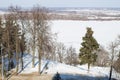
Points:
x=71, y=32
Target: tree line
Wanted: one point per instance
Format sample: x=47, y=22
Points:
x=28, y=31
x=22, y=31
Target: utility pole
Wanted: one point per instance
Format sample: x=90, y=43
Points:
x=2, y=62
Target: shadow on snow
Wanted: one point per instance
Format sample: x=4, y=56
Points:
x=58, y=76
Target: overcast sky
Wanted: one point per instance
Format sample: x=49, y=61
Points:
x=61, y=3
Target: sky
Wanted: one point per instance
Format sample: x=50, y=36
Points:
x=61, y=3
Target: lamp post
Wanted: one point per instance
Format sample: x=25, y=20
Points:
x=2, y=63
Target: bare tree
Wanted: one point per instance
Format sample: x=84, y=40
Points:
x=21, y=18
x=71, y=56
x=51, y=55
x=9, y=25
x=102, y=57
x=117, y=62
x=14, y=18
x=113, y=50
x=61, y=50
x=12, y=42
x=41, y=32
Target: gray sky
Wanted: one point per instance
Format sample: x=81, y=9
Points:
x=61, y=3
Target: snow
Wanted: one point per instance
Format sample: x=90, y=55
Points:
x=106, y=11
x=66, y=71
x=71, y=32
x=109, y=18
x=91, y=14
x=82, y=70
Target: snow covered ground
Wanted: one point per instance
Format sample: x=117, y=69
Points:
x=71, y=32
x=66, y=71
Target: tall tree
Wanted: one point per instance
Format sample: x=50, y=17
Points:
x=12, y=42
x=9, y=23
x=41, y=33
x=114, y=54
x=88, y=50
x=25, y=27
x=113, y=50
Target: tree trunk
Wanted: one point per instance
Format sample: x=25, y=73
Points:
x=22, y=51
x=17, y=60
x=88, y=67
x=9, y=61
x=60, y=57
x=110, y=72
x=33, y=59
x=22, y=65
x=39, y=68
x=39, y=71
x=8, y=44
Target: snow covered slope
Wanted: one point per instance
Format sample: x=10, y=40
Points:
x=66, y=71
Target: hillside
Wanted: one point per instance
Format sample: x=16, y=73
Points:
x=66, y=72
